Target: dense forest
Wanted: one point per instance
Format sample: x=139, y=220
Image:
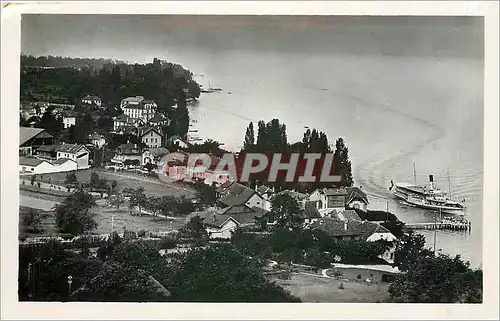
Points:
x=66, y=62
x=163, y=82
x=166, y=83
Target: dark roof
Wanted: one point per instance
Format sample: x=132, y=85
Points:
x=157, y=118
x=91, y=97
x=237, y=194
x=129, y=149
x=262, y=189
x=299, y=197
x=355, y=193
x=144, y=130
x=136, y=99
x=335, y=191
x=65, y=148
x=336, y=227
x=158, y=152
x=224, y=186
x=351, y=215
x=27, y=133
x=30, y=161
x=214, y=218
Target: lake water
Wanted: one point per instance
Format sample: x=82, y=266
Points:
x=399, y=90
x=391, y=111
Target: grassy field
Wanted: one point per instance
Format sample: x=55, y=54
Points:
x=153, y=187
x=320, y=289
x=107, y=218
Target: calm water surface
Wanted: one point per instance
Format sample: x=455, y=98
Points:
x=399, y=90
x=392, y=112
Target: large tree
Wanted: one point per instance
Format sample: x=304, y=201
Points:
x=341, y=163
x=50, y=123
x=74, y=215
x=440, y=279
x=286, y=211
x=220, y=273
x=249, y=137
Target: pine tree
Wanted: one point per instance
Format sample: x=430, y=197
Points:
x=341, y=163
x=262, y=135
x=249, y=137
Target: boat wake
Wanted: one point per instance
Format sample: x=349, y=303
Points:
x=374, y=176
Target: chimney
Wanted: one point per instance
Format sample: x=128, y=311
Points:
x=431, y=181
x=345, y=225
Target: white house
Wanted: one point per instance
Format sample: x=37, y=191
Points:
x=151, y=137
x=217, y=225
x=97, y=140
x=77, y=153
x=69, y=119
x=91, y=100
x=41, y=166
x=356, y=229
x=138, y=108
x=153, y=155
x=237, y=194
x=356, y=198
x=127, y=151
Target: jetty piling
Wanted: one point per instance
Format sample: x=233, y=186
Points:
x=443, y=225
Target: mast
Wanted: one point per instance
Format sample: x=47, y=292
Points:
x=449, y=184
x=414, y=175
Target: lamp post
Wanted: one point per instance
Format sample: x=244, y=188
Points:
x=70, y=280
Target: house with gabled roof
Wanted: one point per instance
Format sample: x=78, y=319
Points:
x=128, y=151
x=238, y=194
x=32, y=138
x=33, y=165
x=138, y=108
x=356, y=198
x=159, y=120
x=91, y=100
x=217, y=224
x=75, y=152
x=222, y=222
x=356, y=230
x=151, y=136
x=327, y=199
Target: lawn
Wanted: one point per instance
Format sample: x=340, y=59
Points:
x=319, y=289
x=107, y=218
x=153, y=187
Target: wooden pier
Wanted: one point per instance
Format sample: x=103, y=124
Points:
x=443, y=225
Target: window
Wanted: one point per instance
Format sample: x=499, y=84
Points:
x=146, y=139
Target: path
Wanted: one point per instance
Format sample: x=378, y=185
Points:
x=147, y=180
x=37, y=203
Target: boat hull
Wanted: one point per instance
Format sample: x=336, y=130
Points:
x=419, y=202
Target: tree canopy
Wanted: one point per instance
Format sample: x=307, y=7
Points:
x=74, y=215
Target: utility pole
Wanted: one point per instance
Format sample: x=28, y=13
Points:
x=387, y=211
x=435, y=231
x=414, y=175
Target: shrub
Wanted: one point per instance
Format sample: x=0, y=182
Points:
x=167, y=243
x=141, y=233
